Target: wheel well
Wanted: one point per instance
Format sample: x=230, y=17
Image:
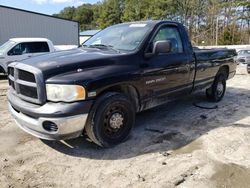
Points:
x=128, y=90
x=2, y=69
x=225, y=68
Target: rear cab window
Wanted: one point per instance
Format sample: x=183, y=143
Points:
x=39, y=47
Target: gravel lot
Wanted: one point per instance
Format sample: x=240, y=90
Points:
x=175, y=145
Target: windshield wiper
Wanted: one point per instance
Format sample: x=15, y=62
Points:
x=103, y=46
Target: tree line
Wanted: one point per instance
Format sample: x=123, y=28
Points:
x=209, y=22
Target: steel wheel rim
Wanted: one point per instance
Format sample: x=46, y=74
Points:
x=114, y=124
x=220, y=89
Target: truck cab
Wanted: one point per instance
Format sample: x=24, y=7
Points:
x=17, y=49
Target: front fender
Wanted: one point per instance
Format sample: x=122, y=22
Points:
x=98, y=79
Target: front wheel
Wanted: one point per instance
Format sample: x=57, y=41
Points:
x=217, y=91
x=111, y=119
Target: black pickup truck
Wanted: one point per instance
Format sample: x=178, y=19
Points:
x=124, y=69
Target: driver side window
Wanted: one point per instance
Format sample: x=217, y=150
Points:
x=19, y=49
x=171, y=34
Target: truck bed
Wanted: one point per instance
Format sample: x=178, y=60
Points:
x=208, y=63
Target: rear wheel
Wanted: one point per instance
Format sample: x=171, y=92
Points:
x=111, y=119
x=217, y=91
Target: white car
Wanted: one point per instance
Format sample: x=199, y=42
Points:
x=243, y=56
x=17, y=49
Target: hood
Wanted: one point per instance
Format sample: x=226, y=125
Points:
x=243, y=56
x=71, y=60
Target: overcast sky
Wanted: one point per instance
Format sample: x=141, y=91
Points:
x=44, y=6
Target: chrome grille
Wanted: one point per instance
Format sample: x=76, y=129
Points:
x=26, y=76
x=26, y=82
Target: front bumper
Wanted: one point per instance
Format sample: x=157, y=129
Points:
x=67, y=120
x=68, y=127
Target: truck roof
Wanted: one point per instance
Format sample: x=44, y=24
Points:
x=29, y=39
x=151, y=22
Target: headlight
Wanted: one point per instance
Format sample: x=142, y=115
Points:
x=65, y=93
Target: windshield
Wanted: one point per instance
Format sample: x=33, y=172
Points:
x=6, y=46
x=244, y=52
x=119, y=37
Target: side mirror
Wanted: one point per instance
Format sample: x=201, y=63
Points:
x=162, y=47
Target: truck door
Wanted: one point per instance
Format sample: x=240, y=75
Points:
x=26, y=50
x=168, y=74
x=19, y=52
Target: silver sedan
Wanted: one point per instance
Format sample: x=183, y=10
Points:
x=243, y=56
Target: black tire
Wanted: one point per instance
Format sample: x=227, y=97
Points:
x=218, y=89
x=110, y=120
